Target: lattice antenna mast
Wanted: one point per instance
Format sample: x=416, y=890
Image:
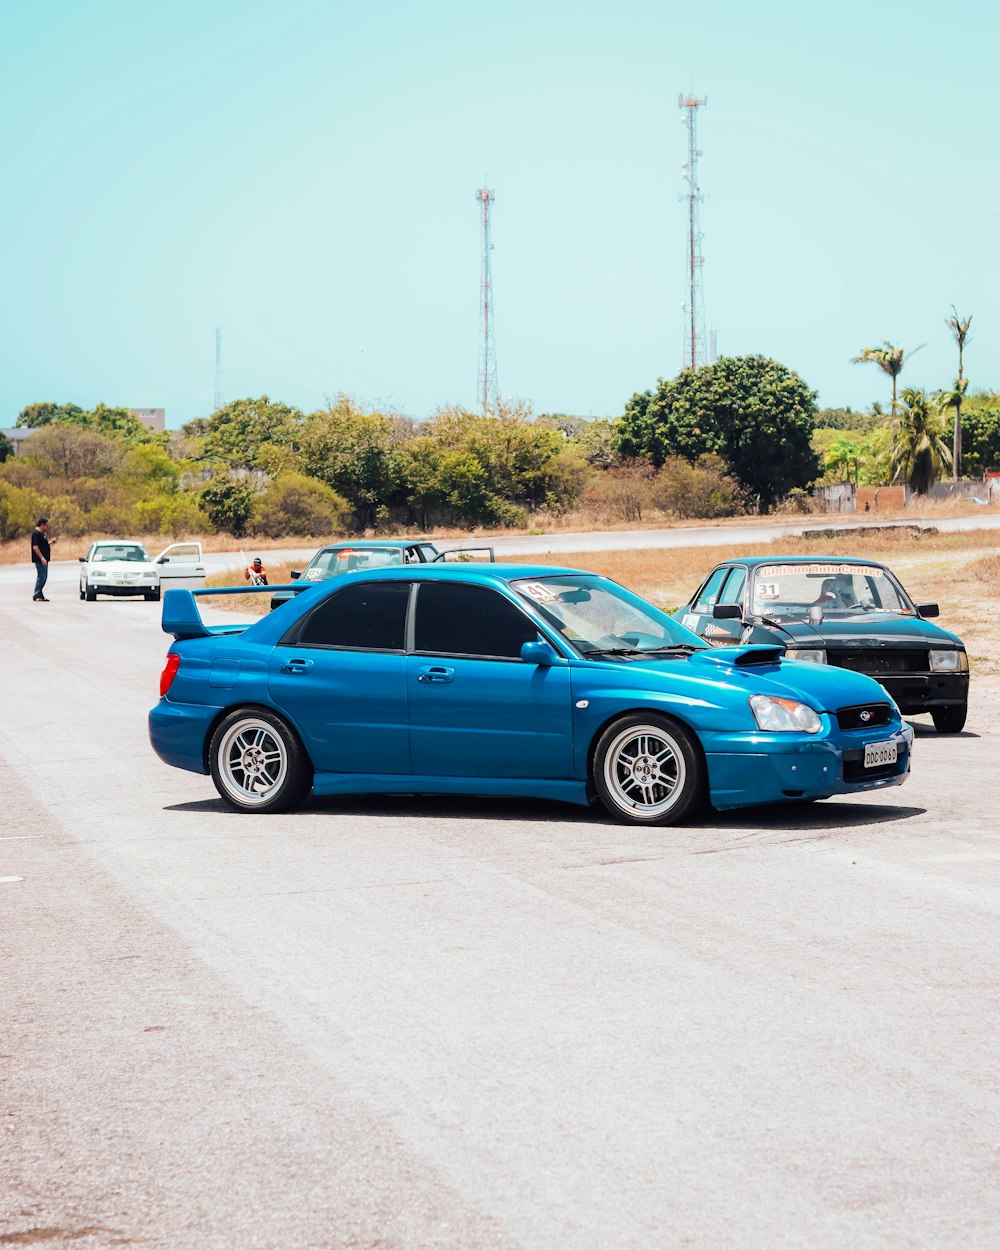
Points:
x=694, y=311
x=488, y=391
x=218, y=368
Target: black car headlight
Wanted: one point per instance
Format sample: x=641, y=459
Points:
x=950, y=661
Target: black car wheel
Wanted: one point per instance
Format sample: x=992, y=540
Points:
x=648, y=771
x=950, y=720
x=90, y=595
x=258, y=764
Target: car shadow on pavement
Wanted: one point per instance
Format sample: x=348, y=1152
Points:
x=816, y=818
x=422, y=807
x=921, y=730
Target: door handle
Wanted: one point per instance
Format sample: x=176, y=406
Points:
x=436, y=673
x=296, y=666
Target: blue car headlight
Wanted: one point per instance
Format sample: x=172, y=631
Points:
x=783, y=715
x=950, y=661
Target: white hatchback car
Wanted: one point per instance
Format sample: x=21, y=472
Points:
x=114, y=566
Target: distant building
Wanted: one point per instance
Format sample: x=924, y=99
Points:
x=152, y=418
x=17, y=435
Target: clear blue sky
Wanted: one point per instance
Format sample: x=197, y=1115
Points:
x=302, y=173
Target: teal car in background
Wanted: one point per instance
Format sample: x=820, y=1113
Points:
x=845, y=612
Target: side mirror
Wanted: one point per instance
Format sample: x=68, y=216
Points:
x=163, y=560
x=295, y=574
x=928, y=609
x=540, y=653
x=727, y=612
x=83, y=559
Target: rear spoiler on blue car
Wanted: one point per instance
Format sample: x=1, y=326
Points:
x=182, y=618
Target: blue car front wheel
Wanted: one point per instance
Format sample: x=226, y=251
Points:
x=257, y=762
x=648, y=771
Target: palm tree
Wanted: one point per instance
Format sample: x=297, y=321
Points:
x=959, y=327
x=888, y=358
x=920, y=452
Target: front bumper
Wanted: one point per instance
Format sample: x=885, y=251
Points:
x=748, y=768
x=919, y=692
x=149, y=588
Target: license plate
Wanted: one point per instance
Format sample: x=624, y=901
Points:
x=124, y=581
x=878, y=754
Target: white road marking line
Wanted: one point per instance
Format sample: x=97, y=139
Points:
x=21, y=837
x=5, y=880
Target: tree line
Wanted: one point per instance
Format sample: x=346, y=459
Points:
x=736, y=436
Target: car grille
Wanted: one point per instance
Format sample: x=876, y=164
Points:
x=881, y=660
x=864, y=716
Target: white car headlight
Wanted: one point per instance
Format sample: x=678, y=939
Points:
x=814, y=655
x=784, y=715
x=950, y=661
x=98, y=573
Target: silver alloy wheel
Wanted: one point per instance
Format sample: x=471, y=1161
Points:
x=644, y=770
x=252, y=761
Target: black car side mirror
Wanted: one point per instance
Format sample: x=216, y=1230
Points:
x=727, y=612
x=83, y=559
x=928, y=609
x=163, y=560
x=295, y=574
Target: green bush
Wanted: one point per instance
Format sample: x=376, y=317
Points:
x=296, y=504
x=175, y=515
x=18, y=512
x=701, y=490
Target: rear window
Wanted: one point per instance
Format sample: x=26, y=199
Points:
x=369, y=616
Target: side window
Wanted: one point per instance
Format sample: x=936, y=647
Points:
x=732, y=592
x=709, y=594
x=370, y=616
x=469, y=620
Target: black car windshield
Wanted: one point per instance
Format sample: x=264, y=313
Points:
x=346, y=559
x=599, y=617
x=786, y=591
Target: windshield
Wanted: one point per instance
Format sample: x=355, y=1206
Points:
x=599, y=617
x=788, y=591
x=120, y=551
x=346, y=559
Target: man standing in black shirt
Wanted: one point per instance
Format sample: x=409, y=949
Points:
x=40, y=558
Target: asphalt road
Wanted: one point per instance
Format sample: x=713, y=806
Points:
x=405, y=1023
x=67, y=572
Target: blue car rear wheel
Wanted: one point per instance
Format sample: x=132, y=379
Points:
x=257, y=762
x=648, y=771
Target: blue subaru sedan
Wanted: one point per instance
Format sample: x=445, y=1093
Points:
x=509, y=680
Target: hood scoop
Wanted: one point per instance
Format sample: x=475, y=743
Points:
x=739, y=657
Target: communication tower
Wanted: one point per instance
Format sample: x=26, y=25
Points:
x=488, y=392
x=218, y=369
x=694, y=312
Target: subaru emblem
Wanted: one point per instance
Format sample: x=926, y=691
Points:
x=866, y=716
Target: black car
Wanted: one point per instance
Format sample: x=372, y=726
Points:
x=828, y=610
x=374, y=553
